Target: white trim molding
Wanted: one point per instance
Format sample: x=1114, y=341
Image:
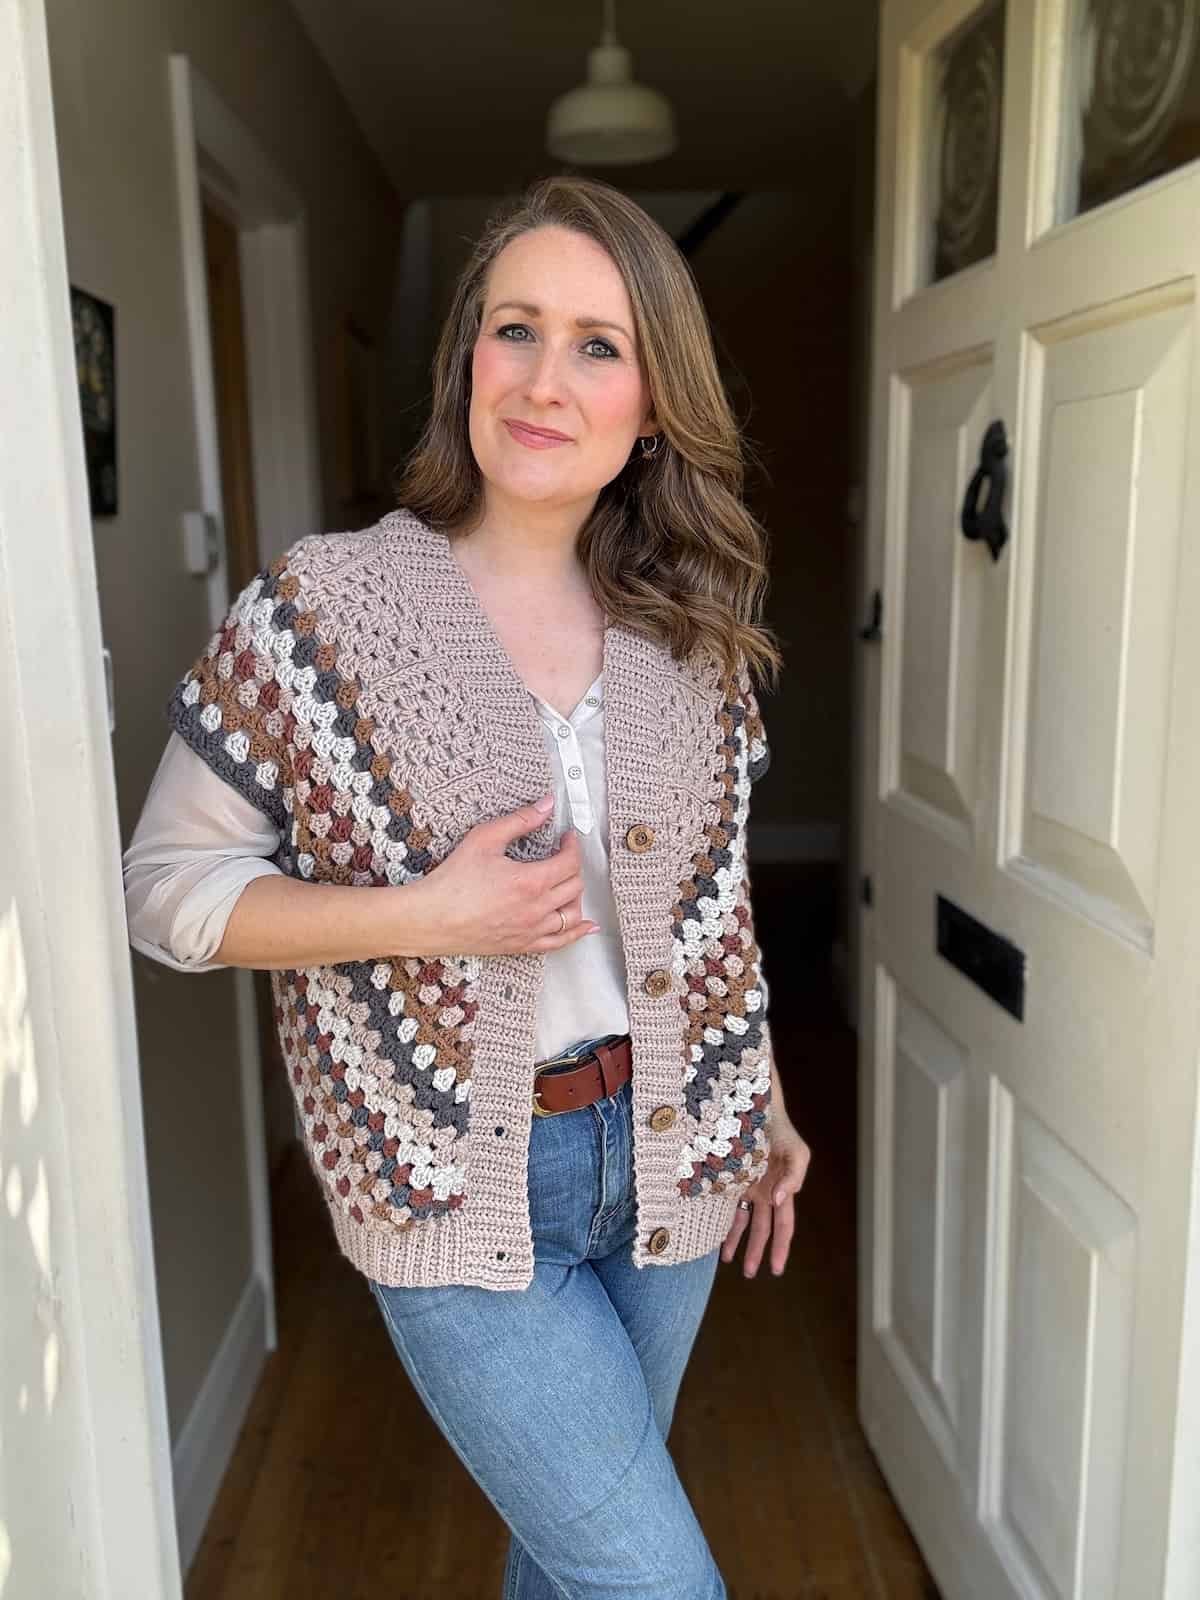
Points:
x=85, y=1490
x=217, y=156
x=207, y=1439
x=218, y=159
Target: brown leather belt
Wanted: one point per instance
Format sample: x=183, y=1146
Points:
x=599, y=1073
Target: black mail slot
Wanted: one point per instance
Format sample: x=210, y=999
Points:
x=986, y=957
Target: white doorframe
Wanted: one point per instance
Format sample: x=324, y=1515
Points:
x=86, y=1501
x=215, y=153
x=218, y=157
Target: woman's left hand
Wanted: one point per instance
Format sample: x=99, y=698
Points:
x=773, y=1215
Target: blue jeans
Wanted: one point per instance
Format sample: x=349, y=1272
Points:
x=557, y=1398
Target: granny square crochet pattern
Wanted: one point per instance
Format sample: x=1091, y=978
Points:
x=358, y=694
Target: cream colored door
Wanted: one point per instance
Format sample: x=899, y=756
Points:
x=1033, y=760
x=85, y=1471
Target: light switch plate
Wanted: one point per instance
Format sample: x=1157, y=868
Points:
x=201, y=542
x=106, y=653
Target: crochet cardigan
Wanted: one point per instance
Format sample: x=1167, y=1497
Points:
x=359, y=695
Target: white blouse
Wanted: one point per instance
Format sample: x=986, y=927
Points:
x=198, y=843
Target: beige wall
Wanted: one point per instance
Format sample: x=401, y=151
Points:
x=109, y=65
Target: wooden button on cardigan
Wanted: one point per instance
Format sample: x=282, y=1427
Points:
x=360, y=697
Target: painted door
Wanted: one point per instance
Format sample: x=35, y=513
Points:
x=1028, y=1104
x=85, y=1480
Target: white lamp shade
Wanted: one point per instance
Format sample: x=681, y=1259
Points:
x=610, y=120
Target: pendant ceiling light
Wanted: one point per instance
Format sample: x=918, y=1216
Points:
x=610, y=120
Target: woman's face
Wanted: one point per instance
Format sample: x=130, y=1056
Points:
x=555, y=351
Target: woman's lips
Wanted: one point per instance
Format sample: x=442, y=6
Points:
x=535, y=441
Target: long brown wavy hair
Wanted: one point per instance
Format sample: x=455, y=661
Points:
x=670, y=549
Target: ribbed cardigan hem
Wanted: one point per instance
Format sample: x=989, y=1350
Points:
x=423, y=1256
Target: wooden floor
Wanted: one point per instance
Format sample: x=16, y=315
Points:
x=321, y=1504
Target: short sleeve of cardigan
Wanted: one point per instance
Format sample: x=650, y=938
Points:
x=197, y=844
x=226, y=707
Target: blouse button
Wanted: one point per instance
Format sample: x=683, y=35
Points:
x=639, y=838
x=574, y=772
x=662, y=1118
x=658, y=1241
x=563, y=732
x=657, y=983
x=592, y=700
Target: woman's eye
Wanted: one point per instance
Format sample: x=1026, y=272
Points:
x=606, y=350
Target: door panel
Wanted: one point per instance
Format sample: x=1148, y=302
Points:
x=1111, y=414
x=1060, y=1420
x=944, y=414
x=1032, y=755
x=924, y=1108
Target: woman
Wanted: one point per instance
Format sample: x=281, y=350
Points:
x=509, y=733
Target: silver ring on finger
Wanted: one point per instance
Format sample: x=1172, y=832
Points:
x=563, y=920
x=744, y=1205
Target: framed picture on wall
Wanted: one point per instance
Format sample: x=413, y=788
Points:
x=94, y=325
x=356, y=420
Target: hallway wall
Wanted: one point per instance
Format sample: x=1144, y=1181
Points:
x=775, y=278
x=112, y=112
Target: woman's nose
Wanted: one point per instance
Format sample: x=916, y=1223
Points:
x=546, y=380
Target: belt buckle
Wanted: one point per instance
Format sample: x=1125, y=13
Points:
x=554, y=1061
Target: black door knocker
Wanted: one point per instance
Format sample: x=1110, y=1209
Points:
x=986, y=522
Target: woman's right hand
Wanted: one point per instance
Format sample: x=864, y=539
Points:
x=478, y=901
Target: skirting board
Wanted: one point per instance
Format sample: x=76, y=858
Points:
x=206, y=1441
x=794, y=841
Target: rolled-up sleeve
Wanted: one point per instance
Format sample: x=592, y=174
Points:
x=197, y=844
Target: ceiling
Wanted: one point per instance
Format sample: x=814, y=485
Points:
x=452, y=95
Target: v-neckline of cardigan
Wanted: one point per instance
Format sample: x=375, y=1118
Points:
x=587, y=703
x=471, y=594
x=635, y=669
